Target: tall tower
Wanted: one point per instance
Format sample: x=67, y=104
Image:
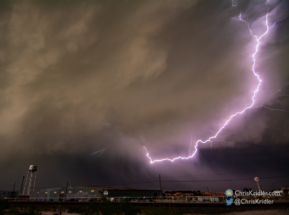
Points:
x=30, y=180
x=258, y=185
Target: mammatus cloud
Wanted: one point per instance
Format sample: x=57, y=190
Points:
x=165, y=71
x=80, y=77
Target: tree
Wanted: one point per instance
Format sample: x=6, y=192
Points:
x=246, y=189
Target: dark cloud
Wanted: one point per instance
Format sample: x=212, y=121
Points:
x=78, y=77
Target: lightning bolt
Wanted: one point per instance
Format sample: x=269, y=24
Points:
x=234, y=115
x=272, y=109
x=98, y=153
x=273, y=94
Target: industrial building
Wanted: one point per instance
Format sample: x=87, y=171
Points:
x=8, y=194
x=86, y=193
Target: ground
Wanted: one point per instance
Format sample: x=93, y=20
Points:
x=259, y=212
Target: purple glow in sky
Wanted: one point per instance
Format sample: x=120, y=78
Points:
x=237, y=113
x=93, y=91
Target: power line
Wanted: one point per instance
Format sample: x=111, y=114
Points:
x=233, y=173
x=182, y=181
x=244, y=179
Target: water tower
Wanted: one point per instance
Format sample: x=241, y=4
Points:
x=257, y=180
x=30, y=180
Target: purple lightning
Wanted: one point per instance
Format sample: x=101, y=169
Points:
x=232, y=116
x=98, y=153
x=278, y=91
x=272, y=109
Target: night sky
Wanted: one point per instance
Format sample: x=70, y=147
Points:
x=85, y=85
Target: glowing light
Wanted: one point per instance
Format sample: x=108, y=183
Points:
x=232, y=116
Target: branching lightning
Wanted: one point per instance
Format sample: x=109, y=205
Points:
x=273, y=94
x=234, y=115
x=98, y=153
x=273, y=109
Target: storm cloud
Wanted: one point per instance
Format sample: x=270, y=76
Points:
x=82, y=76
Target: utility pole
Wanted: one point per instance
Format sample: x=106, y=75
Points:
x=22, y=185
x=208, y=189
x=273, y=186
x=66, y=191
x=160, y=186
x=12, y=194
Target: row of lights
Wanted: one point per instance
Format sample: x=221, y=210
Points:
x=68, y=191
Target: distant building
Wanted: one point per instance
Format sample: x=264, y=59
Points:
x=278, y=192
x=86, y=193
x=8, y=194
